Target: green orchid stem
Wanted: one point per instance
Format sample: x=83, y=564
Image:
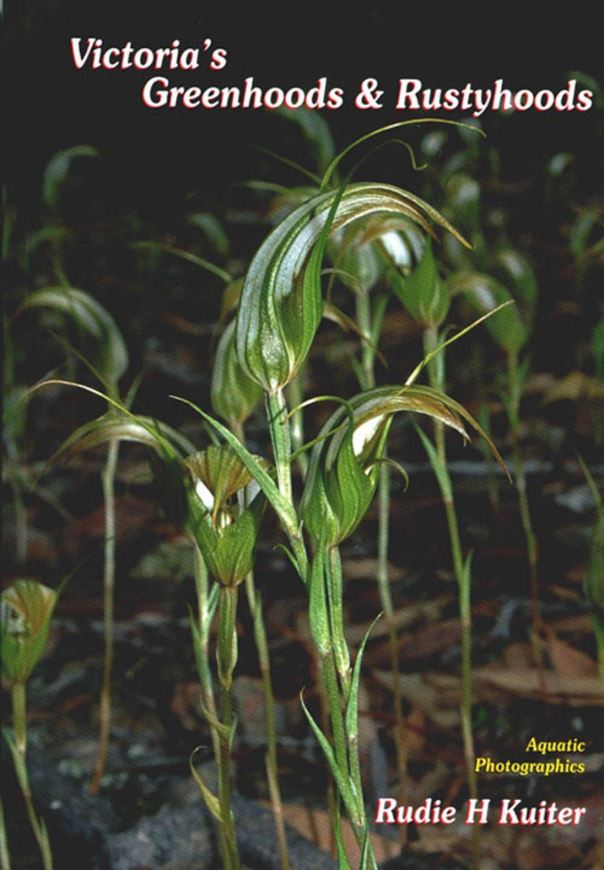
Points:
x=295, y=395
x=336, y=664
x=281, y=440
x=204, y=669
x=226, y=655
x=437, y=377
x=4, y=853
x=363, y=312
x=532, y=550
x=20, y=758
x=203, y=660
x=271, y=763
x=225, y=792
x=279, y=427
x=340, y=740
x=335, y=595
x=330, y=679
x=400, y=731
x=19, y=717
x=369, y=330
x=108, y=595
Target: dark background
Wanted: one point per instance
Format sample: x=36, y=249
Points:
x=156, y=155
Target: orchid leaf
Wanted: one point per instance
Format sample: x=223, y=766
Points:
x=118, y=427
x=213, y=230
x=352, y=705
x=422, y=293
x=188, y=256
x=234, y=395
x=341, y=777
x=108, y=351
x=211, y=801
x=485, y=293
x=57, y=170
x=396, y=125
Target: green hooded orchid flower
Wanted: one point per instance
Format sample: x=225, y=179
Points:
x=225, y=513
x=343, y=470
x=27, y=608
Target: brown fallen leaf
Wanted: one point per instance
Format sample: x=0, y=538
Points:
x=415, y=732
x=424, y=643
x=577, y=623
x=435, y=839
x=574, y=386
x=558, y=688
x=364, y=569
x=404, y=617
x=431, y=640
x=568, y=661
x=566, y=594
x=518, y=656
x=133, y=514
x=424, y=697
x=185, y=703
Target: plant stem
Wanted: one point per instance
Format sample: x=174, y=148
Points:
x=271, y=763
x=330, y=679
x=226, y=654
x=436, y=371
x=20, y=717
x=345, y=745
x=364, y=318
x=532, y=551
x=225, y=787
x=335, y=595
x=204, y=617
x=278, y=422
x=400, y=734
x=108, y=479
x=20, y=759
x=363, y=312
x=295, y=395
x=465, y=610
x=4, y=853
x=281, y=440
x=202, y=659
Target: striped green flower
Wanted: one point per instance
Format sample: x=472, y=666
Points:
x=226, y=510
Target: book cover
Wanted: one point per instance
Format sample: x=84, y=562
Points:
x=303, y=427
